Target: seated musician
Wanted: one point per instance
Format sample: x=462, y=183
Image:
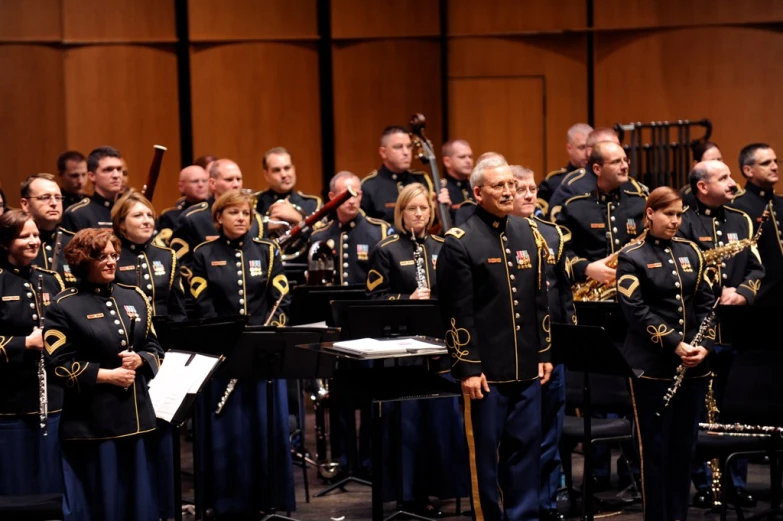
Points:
x=193, y=184
x=104, y=170
x=236, y=274
x=31, y=462
x=702, y=151
x=578, y=154
x=665, y=297
x=72, y=170
x=102, y=350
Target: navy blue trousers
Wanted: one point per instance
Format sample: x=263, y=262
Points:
x=553, y=398
x=504, y=440
x=666, y=444
x=111, y=480
x=30, y=463
x=164, y=468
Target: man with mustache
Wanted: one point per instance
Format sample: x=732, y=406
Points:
x=104, y=170
x=493, y=299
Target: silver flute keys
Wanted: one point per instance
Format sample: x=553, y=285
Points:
x=43, y=391
x=419, y=260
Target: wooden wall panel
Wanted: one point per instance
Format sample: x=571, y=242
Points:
x=613, y=14
x=468, y=17
x=646, y=76
x=131, y=107
x=250, y=97
x=377, y=84
x=504, y=115
x=560, y=60
x=32, y=112
x=30, y=20
x=118, y=21
x=236, y=20
x=385, y=18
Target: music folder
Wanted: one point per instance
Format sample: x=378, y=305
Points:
x=180, y=379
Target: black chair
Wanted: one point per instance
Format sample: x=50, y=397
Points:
x=607, y=393
x=39, y=507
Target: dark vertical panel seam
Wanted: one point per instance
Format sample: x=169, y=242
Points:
x=590, y=63
x=183, y=83
x=326, y=91
x=444, y=68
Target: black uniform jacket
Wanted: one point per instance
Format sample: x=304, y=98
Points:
x=351, y=244
x=582, y=181
x=161, y=281
x=19, y=314
x=381, y=187
x=493, y=298
x=86, y=328
x=753, y=201
x=302, y=203
x=464, y=212
x=459, y=192
x=664, y=296
x=550, y=183
x=561, y=297
x=243, y=276
x=393, y=271
x=600, y=224
x=167, y=221
x=46, y=253
x=92, y=212
x=711, y=228
x=70, y=199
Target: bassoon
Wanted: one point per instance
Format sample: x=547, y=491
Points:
x=287, y=239
x=154, y=173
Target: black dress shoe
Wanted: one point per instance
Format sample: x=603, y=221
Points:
x=702, y=499
x=743, y=498
x=550, y=515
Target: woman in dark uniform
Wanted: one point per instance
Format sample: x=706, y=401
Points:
x=101, y=348
x=665, y=296
x=31, y=462
x=133, y=220
x=434, y=455
x=233, y=275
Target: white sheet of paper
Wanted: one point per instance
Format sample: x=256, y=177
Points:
x=175, y=381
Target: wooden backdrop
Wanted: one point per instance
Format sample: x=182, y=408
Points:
x=507, y=75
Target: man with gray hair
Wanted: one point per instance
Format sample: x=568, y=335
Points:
x=493, y=297
x=576, y=147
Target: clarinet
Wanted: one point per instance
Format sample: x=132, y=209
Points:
x=43, y=391
x=681, y=369
x=418, y=258
x=140, y=266
x=233, y=382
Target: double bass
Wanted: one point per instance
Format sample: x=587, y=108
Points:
x=425, y=152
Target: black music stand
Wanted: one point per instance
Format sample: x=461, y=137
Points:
x=268, y=353
x=209, y=336
x=312, y=304
x=588, y=349
x=386, y=318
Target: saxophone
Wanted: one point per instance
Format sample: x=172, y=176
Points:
x=418, y=258
x=593, y=291
x=711, y=405
x=714, y=257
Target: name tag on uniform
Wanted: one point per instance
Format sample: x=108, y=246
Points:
x=217, y=263
x=655, y=265
x=127, y=268
x=11, y=298
x=597, y=225
x=96, y=315
x=104, y=223
x=390, y=205
x=707, y=239
x=494, y=260
x=407, y=263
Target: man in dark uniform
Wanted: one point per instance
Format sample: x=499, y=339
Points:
x=104, y=169
x=582, y=181
x=578, y=153
x=493, y=297
x=759, y=165
x=193, y=184
x=711, y=224
x=40, y=197
x=352, y=235
x=457, y=164
x=281, y=203
x=72, y=169
x=381, y=187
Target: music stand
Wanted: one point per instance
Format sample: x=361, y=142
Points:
x=205, y=336
x=588, y=349
x=312, y=304
x=387, y=318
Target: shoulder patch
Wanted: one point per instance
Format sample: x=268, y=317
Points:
x=574, y=176
x=369, y=176
x=200, y=207
x=455, y=232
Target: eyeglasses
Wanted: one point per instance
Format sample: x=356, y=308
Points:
x=499, y=187
x=104, y=257
x=618, y=161
x=46, y=198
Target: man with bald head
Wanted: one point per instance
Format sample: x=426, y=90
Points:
x=193, y=184
x=578, y=154
x=583, y=180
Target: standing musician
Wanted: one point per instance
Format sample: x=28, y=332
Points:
x=237, y=274
x=458, y=164
x=381, y=187
x=351, y=235
x=759, y=165
x=578, y=154
x=102, y=350
x=104, y=169
x=702, y=151
x=72, y=169
x=561, y=310
x=31, y=462
x=193, y=184
x=493, y=299
x=665, y=295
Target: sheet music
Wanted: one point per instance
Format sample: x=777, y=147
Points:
x=390, y=346
x=175, y=380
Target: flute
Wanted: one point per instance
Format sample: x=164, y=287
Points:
x=43, y=391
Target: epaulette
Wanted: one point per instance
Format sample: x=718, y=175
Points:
x=537, y=220
x=44, y=270
x=66, y=232
x=377, y=222
x=640, y=188
x=553, y=173
x=466, y=201
x=746, y=216
x=633, y=247
x=167, y=210
x=81, y=204
x=324, y=228
x=426, y=178
x=261, y=240
x=455, y=232
x=69, y=292
x=543, y=205
x=574, y=176
x=200, y=207
x=437, y=238
x=203, y=243
x=369, y=176
x=636, y=194
x=308, y=196
x=164, y=248
x=417, y=172
x=577, y=197
x=739, y=193
x=389, y=240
